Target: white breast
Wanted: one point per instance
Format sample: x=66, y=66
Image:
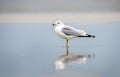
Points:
x=59, y=32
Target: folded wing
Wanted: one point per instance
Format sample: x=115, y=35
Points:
x=70, y=31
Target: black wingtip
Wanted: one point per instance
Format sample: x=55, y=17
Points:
x=91, y=36
x=88, y=35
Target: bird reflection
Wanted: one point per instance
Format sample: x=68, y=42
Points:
x=67, y=59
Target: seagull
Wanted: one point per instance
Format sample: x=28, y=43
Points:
x=68, y=32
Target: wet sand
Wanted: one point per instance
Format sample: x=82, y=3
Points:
x=66, y=17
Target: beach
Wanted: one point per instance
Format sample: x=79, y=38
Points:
x=82, y=18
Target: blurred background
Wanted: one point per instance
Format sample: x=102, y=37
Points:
x=66, y=10
x=29, y=46
x=38, y=6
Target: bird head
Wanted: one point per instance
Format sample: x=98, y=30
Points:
x=58, y=23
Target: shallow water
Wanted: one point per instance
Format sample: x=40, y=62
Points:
x=31, y=49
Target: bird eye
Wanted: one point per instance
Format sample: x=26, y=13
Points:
x=58, y=23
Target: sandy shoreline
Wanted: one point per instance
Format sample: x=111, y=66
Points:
x=66, y=17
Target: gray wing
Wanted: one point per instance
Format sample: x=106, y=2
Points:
x=70, y=31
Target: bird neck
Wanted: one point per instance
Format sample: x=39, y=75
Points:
x=61, y=26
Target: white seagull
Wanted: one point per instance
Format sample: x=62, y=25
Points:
x=68, y=32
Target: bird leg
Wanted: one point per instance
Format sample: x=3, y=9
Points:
x=67, y=42
x=67, y=51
